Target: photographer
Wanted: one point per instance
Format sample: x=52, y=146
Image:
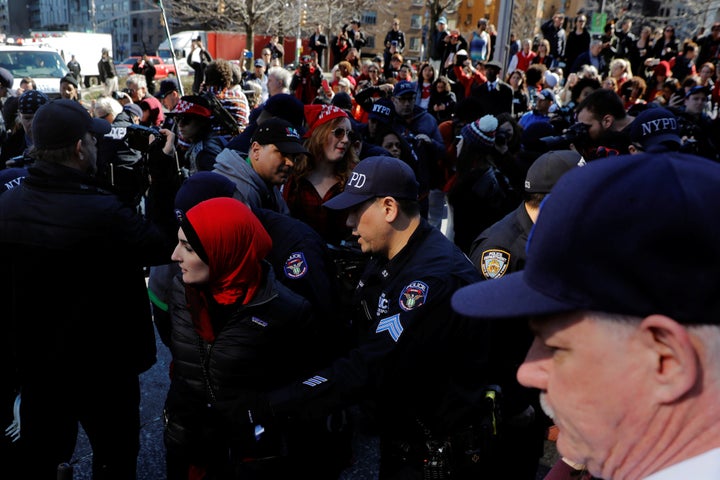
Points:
x=306, y=80
x=465, y=75
x=603, y=114
x=124, y=152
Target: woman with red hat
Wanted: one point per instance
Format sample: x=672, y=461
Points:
x=322, y=174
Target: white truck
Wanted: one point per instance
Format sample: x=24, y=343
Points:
x=87, y=48
x=42, y=64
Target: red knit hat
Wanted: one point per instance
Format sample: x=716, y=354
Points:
x=316, y=115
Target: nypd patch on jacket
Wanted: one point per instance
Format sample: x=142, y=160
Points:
x=409, y=338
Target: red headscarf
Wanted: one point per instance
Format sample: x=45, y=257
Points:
x=234, y=242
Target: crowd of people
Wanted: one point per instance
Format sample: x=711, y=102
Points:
x=289, y=223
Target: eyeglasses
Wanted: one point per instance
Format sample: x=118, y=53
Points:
x=340, y=133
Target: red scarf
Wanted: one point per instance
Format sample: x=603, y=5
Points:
x=235, y=243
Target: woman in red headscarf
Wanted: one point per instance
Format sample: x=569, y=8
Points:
x=235, y=330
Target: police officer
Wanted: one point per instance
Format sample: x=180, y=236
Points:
x=499, y=250
x=407, y=361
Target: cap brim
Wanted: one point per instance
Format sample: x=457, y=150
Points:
x=100, y=126
x=346, y=200
x=506, y=297
x=290, y=147
x=668, y=137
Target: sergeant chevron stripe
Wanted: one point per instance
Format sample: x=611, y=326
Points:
x=392, y=325
x=315, y=381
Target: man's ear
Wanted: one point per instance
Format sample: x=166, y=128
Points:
x=674, y=355
x=390, y=207
x=78, y=149
x=255, y=151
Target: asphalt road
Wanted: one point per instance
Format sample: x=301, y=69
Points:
x=151, y=462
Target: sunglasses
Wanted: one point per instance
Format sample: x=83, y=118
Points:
x=184, y=120
x=393, y=145
x=340, y=133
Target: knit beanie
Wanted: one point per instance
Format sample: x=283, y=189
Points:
x=31, y=100
x=200, y=187
x=316, y=115
x=480, y=132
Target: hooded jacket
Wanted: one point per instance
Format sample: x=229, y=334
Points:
x=255, y=192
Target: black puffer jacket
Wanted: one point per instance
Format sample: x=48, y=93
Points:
x=260, y=345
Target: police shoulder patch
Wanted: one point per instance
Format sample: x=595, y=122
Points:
x=494, y=263
x=296, y=266
x=414, y=295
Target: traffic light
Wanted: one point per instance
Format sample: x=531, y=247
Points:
x=303, y=18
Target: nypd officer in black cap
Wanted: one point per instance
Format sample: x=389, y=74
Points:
x=408, y=359
x=76, y=322
x=497, y=251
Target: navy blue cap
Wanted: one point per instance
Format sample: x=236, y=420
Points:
x=655, y=127
x=382, y=111
x=61, y=123
x=134, y=109
x=403, y=87
x=697, y=89
x=631, y=235
x=376, y=177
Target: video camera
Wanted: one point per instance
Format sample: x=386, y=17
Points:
x=576, y=134
x=138, y=137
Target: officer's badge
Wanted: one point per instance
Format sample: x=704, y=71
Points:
x=413, y=296
x=494, y=263
x=296, y=266
x=391, y=325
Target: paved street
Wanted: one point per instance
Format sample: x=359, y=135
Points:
x=151, y=463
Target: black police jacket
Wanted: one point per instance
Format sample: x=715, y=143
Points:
x=71, y=277
x=500, y=249
x=410, y=352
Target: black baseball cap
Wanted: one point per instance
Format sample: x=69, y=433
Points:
x=61, y=123
x=547, y=169
x=280, y=133
x=612, y=237
x=168, y=85
x=380, y=176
